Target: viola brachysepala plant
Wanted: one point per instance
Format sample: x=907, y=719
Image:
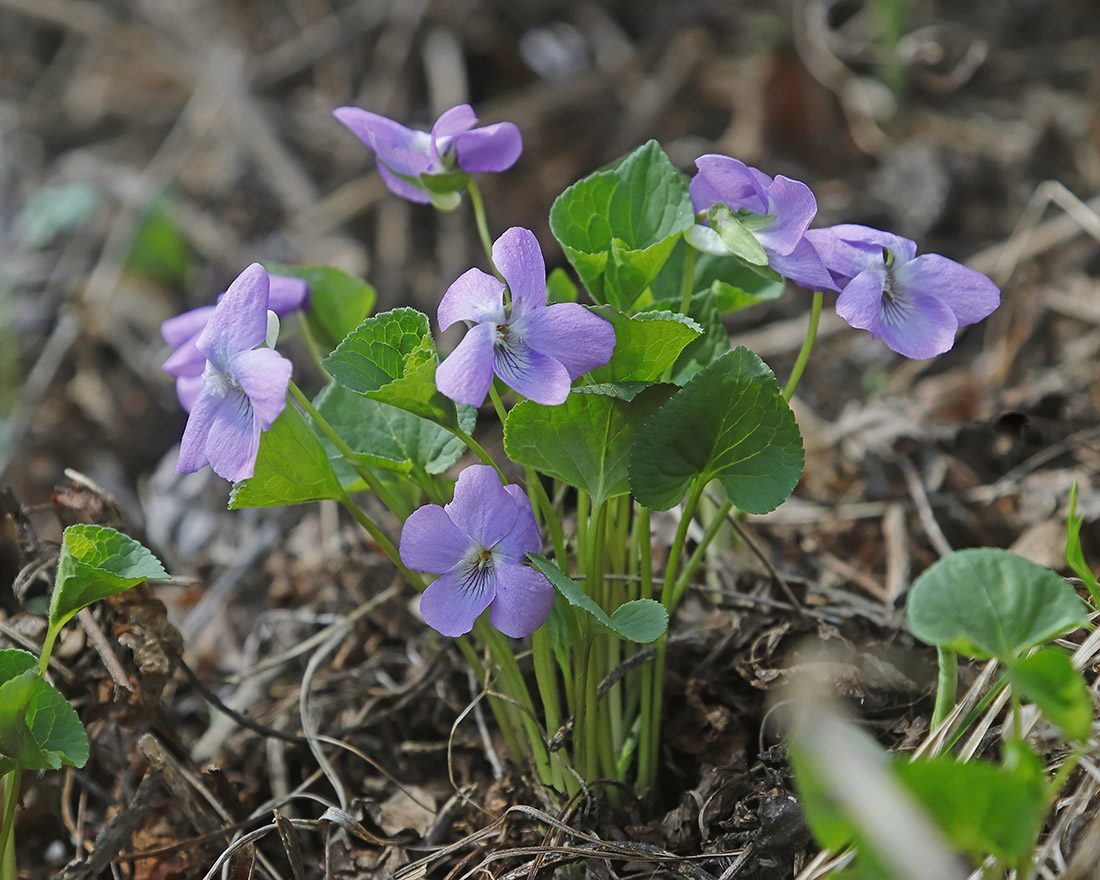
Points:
x=634, y=403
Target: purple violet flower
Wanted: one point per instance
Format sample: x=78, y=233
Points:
x=477, y=545
x=777, y=211
x=243, y=387
x=406, y=156
x=538, y=350
x=916, y=304
x=186, y=363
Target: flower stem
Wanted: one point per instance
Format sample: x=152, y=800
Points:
x=947, y=683
x=7, y=825
x=687, y=283
x=807, y=347
x=482, y=224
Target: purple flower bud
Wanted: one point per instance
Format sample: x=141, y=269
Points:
x=243, y=387
x=406, y=156
x=477, y=545
x=538, y=350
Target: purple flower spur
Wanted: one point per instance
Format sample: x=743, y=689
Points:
x=536, y=349
x=243, y=387
x=186, y=363
x=407, y=157
x=477, y=545
x=915, y=303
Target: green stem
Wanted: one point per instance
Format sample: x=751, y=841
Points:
x=947, y=685
x=687, y=282
x=7, y=825
x=383, y=542
x=506, y=715
x=669, y=596
x=52, y=633
x=547, y=681
x=699, y=552
x=482, y=224
x=807, y=347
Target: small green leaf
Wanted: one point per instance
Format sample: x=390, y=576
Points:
x=1075, y=556
x=159, y=250
x=52, y=210
x=736, y=235
x=391, y=358
x=618, y=226
x=646, y=345
x=729, y=423
x=585, y=441
x=991, y=603
x=560, y=288
x=982, y=808
x=1047, y=679
x=292, y=467
x=641, y=620
x=338, y=302
x=384, y=436
x=97, y=562
x=39, y=730
x=734, y=284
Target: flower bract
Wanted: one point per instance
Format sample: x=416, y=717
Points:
x=477, y=545
x=407, y=159
x=915, y=303
x=536, y=349
x=187, y=363
x=750, y=212
x=243, y=387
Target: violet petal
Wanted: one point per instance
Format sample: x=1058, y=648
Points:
x=917, y=325
x=239, y=320
x=286, y=294
x=525, y=536
x=969, y=294
x=490, y=148
x=430, y=541
x=234, y=438
x=467, y=372
x=534, y=375
x=264, y=375
x=860, y=303
x=794, y=206
x=452, y=602
x=518, y=257
x=481, y=508
x=193, y=455
x=523, y=600
x=474, y=296
x=569, y=333
x=186, y=326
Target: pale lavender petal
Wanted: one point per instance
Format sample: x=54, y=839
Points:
x=804, y=267
x=186, y=326
x=467, y=372
x=569, y=333
x=734, y=182
x=474, y=296
x=188, y=389
x=402, y=188
x=534, y=375
x=518, y=257
x=193, y=455
x=969, y=294
x=481, y=508
x=451, y=123
x=523, y=600
x=186, y=360
x=490, y=148
x=431, y=542
x=794, y=206
x=917, y=325
x=239, y=320
x=264, y=375
x=703, y=195
x=287, y=294
x=234, y=438
x=401, y=149
x=525, y=536
x=860, y=303
x=453, y=602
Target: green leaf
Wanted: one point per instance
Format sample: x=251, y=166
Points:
x=97, y=562
x=646, y=345
x=641, y=620
x=338, y=302
x=560, y=288
x=159, y=250
x=703, y=351
x=39, y=730
x=52, y=210
x=736, y=235
x=384, y=436
x=991, y=603
x=618, y=226
x=981, y=808
x=729, y=423
x=292, y=467
x=1047, y=679
x=391, y=358
x=585, y=441
x=1075, y=556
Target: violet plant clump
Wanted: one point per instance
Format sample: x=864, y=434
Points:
x=608, y=411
